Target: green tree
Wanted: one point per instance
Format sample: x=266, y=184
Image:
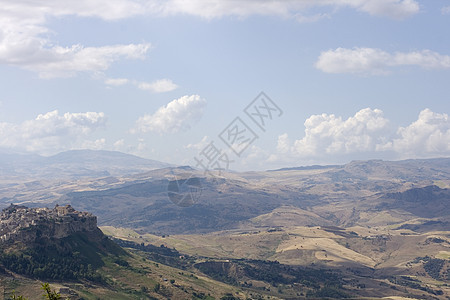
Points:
x=49, y=294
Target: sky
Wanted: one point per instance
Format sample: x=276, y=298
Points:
x=239, y=85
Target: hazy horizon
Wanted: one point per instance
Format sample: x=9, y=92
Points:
x=170, y=164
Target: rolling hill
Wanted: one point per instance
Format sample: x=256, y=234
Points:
x=383, y=225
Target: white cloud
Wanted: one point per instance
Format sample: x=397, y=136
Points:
x=327, y=134
x=367, y=134
x=178, y=115
x=104, y=9
x=69, y=61
x=358, y=60
x=426, y=59
x=372, y=61
x=428, y=136
x=158, y=86
x=390, y=8
x=116, y=81
x=52, y=132
x=200, y=145
x=396, y=9
x=283, y=144
x=25, y=41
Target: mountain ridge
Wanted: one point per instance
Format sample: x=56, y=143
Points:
x=76, y=164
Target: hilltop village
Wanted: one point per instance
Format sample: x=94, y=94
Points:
x=20, y=223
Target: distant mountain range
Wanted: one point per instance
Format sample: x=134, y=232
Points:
x=352, y=194
x=128, y=191
x=75, y=164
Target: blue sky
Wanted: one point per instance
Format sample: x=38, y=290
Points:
x=355, y=79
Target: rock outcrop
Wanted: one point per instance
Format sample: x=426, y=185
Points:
x=23, y=224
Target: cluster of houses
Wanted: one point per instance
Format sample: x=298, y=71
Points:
x=15, y=219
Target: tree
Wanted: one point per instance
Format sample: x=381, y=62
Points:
x=49, y=294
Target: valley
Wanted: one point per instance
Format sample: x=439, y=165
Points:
x=373, y=228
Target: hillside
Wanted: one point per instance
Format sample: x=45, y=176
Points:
x=66, y=248
x=376, y=228
x=328, y=195
x=340, y=196
x=53, y=243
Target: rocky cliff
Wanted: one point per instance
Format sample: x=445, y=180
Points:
x=23, y=224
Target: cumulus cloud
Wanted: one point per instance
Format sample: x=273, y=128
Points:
x=327, y=134
x=283, y=144
x=426, y=137
x=366, y=134
x=158, y=86
x=372, y=61
x=178, y=115
x=52, y=132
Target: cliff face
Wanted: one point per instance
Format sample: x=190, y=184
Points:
x=19, y=223
x=54, y=243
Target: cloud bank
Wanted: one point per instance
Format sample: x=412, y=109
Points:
x=178, y=115
x=368, y=132
x=328, y=134
x=52, y=132
x=370, y=61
